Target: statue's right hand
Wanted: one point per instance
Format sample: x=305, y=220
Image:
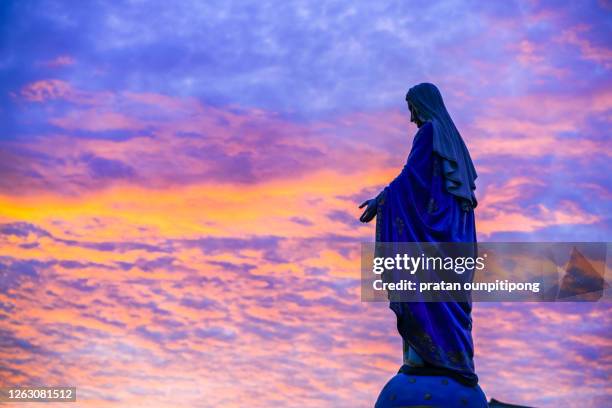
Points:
x=370, y=212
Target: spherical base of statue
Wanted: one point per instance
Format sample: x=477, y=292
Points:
x=421, y=391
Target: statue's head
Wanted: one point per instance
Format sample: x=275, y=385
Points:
x=424, y=102
x=414, y=115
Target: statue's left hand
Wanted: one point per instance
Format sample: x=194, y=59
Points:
x=370, y=212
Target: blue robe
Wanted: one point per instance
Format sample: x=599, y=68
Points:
x=416, y=207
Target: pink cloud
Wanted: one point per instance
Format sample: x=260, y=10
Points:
x=59, y=61
x=43, y=90
x=47, y=90
x=532, y=56
x=588, y=51
x=95, y=121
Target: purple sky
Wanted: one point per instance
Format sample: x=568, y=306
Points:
x=179, y=181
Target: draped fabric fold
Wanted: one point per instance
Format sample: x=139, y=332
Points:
x=417, y=207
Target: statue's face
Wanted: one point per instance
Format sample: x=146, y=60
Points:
x=414, y=117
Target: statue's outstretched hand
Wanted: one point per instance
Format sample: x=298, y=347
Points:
x=370, y=212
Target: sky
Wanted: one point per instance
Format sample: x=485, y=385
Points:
x=179, y=184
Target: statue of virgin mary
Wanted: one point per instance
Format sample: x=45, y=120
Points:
x=431, y=200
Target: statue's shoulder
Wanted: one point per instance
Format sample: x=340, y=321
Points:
x=427, y=127
x=426, y=130
x=424, y=135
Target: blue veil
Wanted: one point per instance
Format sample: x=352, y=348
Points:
x=457, y=167
x=432, y=200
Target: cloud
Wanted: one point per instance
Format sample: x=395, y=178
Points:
x=589, y=51
x=101, y=168
x=59, y=61
x=44, y=90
